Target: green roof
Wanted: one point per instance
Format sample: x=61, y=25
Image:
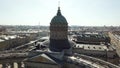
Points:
x=59, y=18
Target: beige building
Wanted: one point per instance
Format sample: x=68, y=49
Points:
x=115, y=40
x=95, y=50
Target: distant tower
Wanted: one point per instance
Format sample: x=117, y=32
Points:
x=58, y=33
x=39, y=30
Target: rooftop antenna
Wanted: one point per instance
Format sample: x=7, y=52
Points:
x=39, y=25
x=39, y=29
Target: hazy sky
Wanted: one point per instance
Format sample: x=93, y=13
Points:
x=77, y=12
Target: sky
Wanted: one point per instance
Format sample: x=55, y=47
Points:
x=76, y=12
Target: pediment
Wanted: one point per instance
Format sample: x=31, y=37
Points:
x=42, y=58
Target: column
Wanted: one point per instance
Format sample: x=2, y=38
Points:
x=4, y=65
x=11, y=65
x=19, y=65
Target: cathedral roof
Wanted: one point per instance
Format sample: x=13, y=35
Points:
x=59, y=18
x=44, y=58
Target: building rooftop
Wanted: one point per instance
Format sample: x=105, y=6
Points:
x=117, y=36
x=1, y=40
x=93, y=47
x=7, y=37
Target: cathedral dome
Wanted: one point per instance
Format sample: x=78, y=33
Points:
x=59, y=33
x=59, y=18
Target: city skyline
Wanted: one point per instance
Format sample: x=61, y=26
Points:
x=77, y=12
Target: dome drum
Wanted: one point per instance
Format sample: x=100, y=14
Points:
x=59, y=45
